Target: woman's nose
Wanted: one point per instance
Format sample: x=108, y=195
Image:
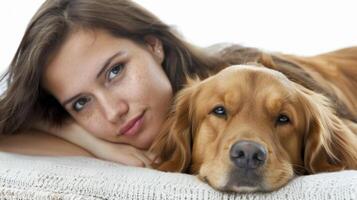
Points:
x=113, y=108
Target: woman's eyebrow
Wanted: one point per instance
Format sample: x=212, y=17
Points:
x=104, y=66
x=108, y=61
x=70, y=99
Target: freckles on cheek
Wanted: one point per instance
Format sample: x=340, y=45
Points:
x=98, y=129
x=92, y=123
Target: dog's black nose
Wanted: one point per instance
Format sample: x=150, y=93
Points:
x=248, y=154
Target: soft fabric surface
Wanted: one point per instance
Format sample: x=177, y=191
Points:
x=34, y=177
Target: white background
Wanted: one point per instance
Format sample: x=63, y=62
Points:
x=303, y=27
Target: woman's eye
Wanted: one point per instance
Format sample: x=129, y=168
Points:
x=282, y=119
x=114, y=71
x=219, y=111
x=80, y=103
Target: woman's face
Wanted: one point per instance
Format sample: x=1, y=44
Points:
x=113, y=87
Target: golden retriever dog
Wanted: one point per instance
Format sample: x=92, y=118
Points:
x=250, y=128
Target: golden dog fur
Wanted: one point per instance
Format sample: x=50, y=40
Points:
x=316, y=101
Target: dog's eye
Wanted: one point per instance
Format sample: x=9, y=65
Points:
x=219, y=111
x=282, y=119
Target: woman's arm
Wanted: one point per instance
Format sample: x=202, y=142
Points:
x=121, y=153
x=34, y=142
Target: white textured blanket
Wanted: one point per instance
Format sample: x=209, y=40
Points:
x=32, y=177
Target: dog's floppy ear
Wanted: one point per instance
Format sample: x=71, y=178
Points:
x=329, y=144
x=173, y=144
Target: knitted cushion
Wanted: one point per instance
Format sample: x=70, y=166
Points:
x=37, y=177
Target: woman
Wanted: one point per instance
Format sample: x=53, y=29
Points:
x=98, y=73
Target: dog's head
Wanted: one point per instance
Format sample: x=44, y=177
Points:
x=249, y=128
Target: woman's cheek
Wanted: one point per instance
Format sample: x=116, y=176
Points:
x=95, y=125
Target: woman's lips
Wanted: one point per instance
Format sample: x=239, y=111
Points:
x=133, y=126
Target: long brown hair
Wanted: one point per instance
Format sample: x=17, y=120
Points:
x=25, y=100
